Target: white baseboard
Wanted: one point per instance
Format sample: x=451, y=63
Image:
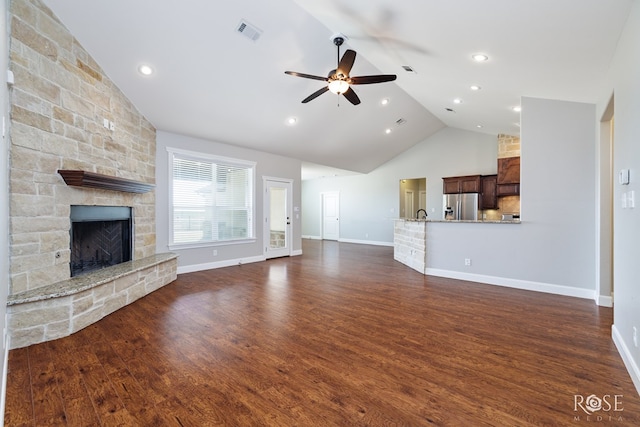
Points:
x=514, y=283
x=357, y=241
x=604, y=301
x=226, y=263
x=218, y=264
x=366, y=242
x=627, y=358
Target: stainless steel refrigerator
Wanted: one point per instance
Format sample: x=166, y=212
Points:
x=462, y=206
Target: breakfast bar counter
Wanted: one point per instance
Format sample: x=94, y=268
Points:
x=410, y=239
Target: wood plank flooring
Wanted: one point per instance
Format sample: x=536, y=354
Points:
x=341, y=336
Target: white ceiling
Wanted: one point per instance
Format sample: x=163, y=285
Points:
x=214, y=83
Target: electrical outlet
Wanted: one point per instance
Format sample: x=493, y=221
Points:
x=215, y=252
x=467, y=261
x=635, y=336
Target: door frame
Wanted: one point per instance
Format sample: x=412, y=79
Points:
x=266, y=212
x=604, y=261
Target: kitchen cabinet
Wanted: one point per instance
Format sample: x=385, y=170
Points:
x=507, y=190
x=461, y=184
x=488, y=194
x=509, y=170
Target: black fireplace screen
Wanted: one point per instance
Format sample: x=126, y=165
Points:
x=100, y=237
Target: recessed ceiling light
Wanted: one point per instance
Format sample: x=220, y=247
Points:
x=480, y=57
x=475, y=87
x=387, y=131
x=145, y=70
x=292, y=121
x=479, y=126
x=457, y=101
x=385, y=101
x=517, y=108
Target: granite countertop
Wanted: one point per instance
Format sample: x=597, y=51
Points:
x=479, y=221
x=89, y=280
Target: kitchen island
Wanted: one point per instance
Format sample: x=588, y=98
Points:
x=410, y=239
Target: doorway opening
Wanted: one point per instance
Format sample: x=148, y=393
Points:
x=604, y=229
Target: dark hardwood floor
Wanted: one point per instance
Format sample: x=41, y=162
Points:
x=341, y=336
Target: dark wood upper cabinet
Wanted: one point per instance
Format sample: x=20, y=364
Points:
x=509, y=170
x=488, y=195
x=461, y=184
x=508, y=189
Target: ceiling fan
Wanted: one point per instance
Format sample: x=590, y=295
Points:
x=339, y=81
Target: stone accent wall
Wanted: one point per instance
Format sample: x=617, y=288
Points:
x=60, y=100
x=508, y=146
x=409, y=243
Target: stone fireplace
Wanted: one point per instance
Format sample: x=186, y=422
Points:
x=61, y=103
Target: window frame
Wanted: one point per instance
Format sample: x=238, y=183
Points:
x=206, y=157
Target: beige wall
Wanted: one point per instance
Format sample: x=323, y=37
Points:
x=59, y=102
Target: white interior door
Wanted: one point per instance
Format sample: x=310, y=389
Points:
x=331, y=215
x=277, y=221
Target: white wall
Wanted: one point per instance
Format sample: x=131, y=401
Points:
x=552, y=250
x=624, y=84
x=266, y=165
x=4, y=189
x=369, y=203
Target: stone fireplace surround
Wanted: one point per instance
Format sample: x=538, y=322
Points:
x=60, y=101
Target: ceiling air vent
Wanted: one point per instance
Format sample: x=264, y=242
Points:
x=401, y=121
x=249, y=31
x=408, y=69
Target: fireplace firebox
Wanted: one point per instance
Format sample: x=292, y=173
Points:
x=101, y=236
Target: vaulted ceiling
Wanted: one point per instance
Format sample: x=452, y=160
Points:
x=212, y=81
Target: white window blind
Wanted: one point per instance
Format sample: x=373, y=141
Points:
x=211, y=199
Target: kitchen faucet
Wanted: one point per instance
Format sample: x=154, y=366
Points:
x=418, y=214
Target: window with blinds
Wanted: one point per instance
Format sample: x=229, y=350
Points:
x=212, y=199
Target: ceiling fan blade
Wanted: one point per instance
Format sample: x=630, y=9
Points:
x=346, y=62
x=352, y=97
x=315, y=94
x=306, y=76
x=379, y=78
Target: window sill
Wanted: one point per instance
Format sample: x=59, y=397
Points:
x=179, y=246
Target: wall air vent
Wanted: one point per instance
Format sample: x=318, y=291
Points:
x=249, y=31
x=408, y=69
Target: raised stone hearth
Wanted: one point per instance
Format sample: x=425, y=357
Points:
x=65, y=307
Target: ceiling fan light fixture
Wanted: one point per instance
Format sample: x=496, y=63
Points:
x=338, y=86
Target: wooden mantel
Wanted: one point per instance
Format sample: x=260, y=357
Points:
x=79, y=178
